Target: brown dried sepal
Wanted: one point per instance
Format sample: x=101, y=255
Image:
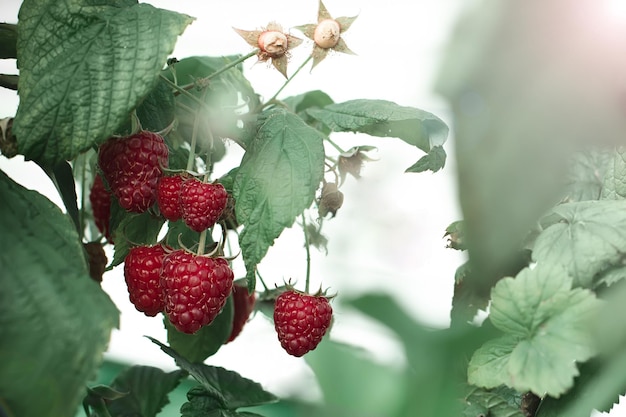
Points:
x=8, y=142
x=97, y=260
x=331, y=199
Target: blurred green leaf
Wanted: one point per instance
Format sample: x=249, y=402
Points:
x=64, y=109
x=587, y=174
x=8, y=41
x=202, y=404
x=499, y=402
x=614, y=185
x=547, y=330
x=277, y=179
x=147, y=389
x=433, y=161
x=586, y=238
x=206, y=341
x=132, y=229
x=55, y=321
x=380, y=389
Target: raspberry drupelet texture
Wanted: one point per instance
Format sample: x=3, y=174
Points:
x=100, y=199
x=196, y=289
x=142, y=268
x=132, y=167
x=301, y=320
x=244, y=304
x=202, y=203
x=168, y=197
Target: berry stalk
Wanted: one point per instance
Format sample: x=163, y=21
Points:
x=307, y=246
x=271, y=100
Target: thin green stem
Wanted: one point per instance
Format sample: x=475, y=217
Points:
x=182, y=90
x=262, y=282
x=333, y=144
x=202, y=242
x=83, y=191
x=308, y=254
x=280, y=90
x=232, y=64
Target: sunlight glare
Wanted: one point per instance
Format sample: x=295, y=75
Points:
x=616, y=9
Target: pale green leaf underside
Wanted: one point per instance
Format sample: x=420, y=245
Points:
x=546, y=333
x=586, y=238
x=277, y=180
x=384, y=119
x=55, y=320
x=83, y=68
x=614, y=185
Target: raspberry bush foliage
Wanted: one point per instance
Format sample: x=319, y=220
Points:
x=130, y=133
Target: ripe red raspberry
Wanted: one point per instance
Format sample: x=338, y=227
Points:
x=301, y=320
x=142, y=268
x=202, y=203
x=132, y=167
x=244, y=304
x=168, y=197
x=100, y=199
x=196, y=288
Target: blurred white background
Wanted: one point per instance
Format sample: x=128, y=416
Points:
x=388, y=236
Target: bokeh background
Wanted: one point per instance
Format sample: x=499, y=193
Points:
x=389, y=234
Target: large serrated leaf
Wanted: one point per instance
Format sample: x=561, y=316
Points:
x=547, y=330
x=84, y=66
x=276, y=181
x=55, y=322
x=586, y=238
x=147, y=391
x=387, y=119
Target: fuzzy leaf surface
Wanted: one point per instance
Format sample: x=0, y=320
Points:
x=84, y=65
x=55, y=320
x=383, y=118
x=545, y=323
x=277, y=179
x=499, y=402
x=147, y=389
x=586, y=238
x=206, y=341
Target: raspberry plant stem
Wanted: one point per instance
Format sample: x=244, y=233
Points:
x=308, y=255
x=233, y=64
x=202, y=242
x=271, y=100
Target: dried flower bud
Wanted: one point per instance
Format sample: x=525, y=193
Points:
x=273, y=43
x=327, y=34
x=330, y=200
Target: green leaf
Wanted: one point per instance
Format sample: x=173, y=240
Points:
x=586, y=238
x=132, y=229
x=277, y=179
x=55, y=320
x=499, y=402
x=546, y=332
x=201, y=404
x=206, y=341
x=308, y=100
x=387, y=119
x=77, y=90
x=614, y=185
x=433, y=161
x=380, y=390
x=156, y=111
x=228, y=389
x=226, y=92
x=147, y=389
x=8, y=41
